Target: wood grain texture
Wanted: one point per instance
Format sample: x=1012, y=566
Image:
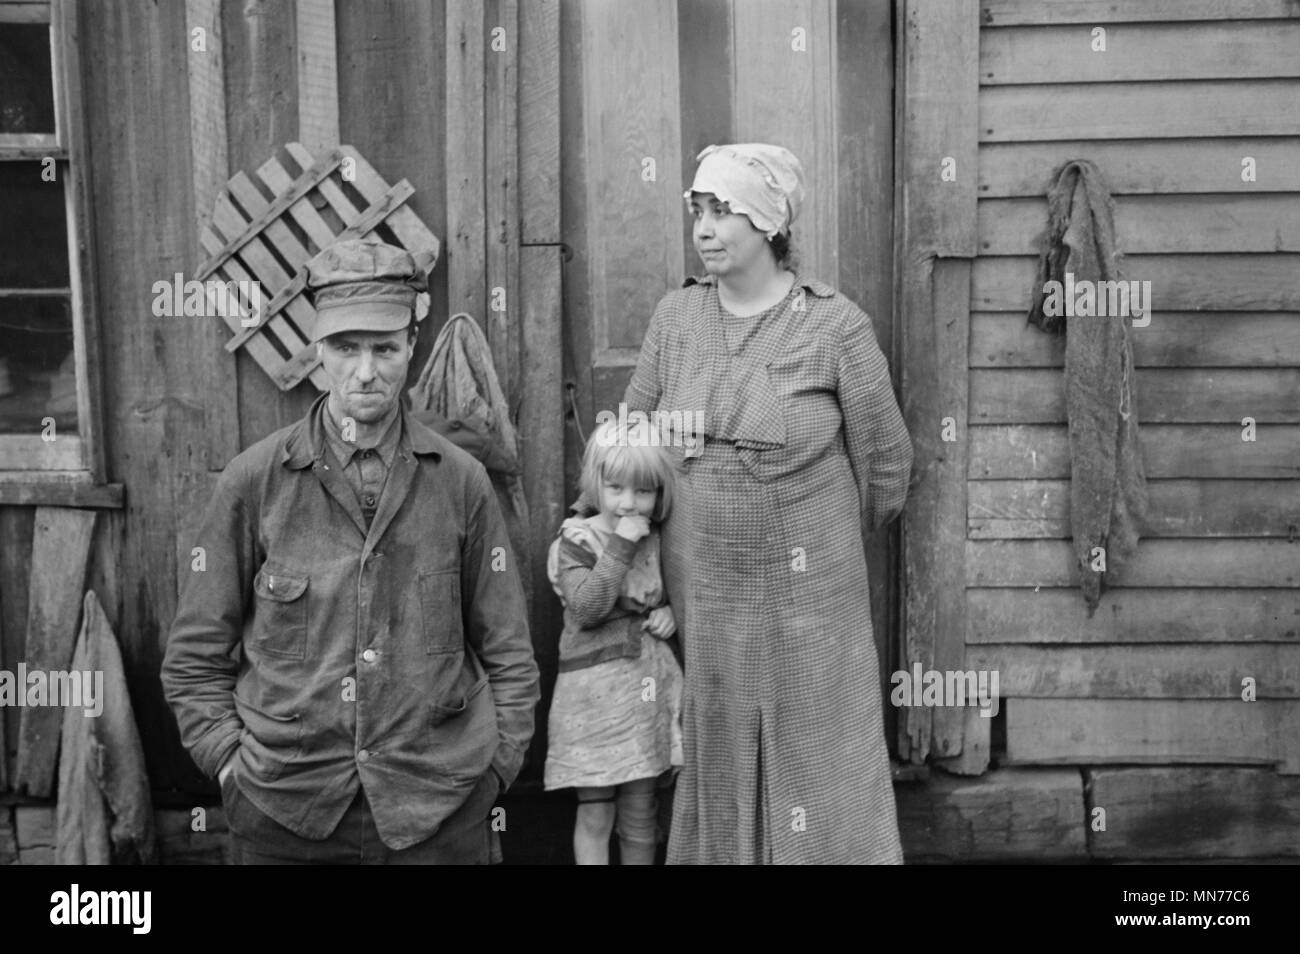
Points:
x=41, y=491
x=631, y=97
x=261, y=115
x=1140, y=51
x=396, y=117
x=501, y=192
x=541, y=434
x=1176, y=563
x=1168, y=450
x=1159, y=110
x=539, y=123
x=1158, y=224
x=1178, y=282
x=1028, y=509
x=137, y=63
x=465, y=49
x=1146, y=731
x=784, y=56
x=937, y=76
x=1201, y=671
x=1132, y=615
x=1163, y=395
x=318, y=86
x=60, y=554
x=1229, y=339
x=1008, y=815
x=207, y=86
x=999, y=13
x=1144, y=166
x=16, y=525
x=1211, y=813
x=706, y=65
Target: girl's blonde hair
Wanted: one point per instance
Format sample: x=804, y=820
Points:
x=625, y=455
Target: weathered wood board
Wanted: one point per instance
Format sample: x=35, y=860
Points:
x=1133, y=615
x=1007, y=815
x=1168, y=451
x=1152, y=731
x=60, y=555
x=1202, y=812
x=1141, y=672
x=1025, y=509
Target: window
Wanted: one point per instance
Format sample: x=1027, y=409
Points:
x=48, y=381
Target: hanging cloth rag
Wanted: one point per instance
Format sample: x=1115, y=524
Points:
x=458, y=395
x=1108, y=494
x=105, y=815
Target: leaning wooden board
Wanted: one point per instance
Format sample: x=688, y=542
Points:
x=60, y=555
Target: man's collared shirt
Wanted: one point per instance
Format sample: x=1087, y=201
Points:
x=365, y=468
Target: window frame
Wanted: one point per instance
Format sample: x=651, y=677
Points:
x=28, y=462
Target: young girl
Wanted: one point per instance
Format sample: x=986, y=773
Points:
x=615, y=722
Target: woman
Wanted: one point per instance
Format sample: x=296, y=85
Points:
x=804, y=449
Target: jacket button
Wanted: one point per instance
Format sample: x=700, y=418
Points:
x=363, y=756
x=370, y=655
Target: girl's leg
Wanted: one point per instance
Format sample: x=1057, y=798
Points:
x=636, y=822
x=595, y=823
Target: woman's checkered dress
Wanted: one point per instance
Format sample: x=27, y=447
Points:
x=764, y=562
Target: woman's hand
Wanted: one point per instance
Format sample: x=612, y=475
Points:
x=633, y=528
x=660, y=623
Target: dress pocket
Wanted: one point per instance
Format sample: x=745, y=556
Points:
x=280, y=623
x=441, y=612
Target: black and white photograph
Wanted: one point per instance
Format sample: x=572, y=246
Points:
x=652, y=432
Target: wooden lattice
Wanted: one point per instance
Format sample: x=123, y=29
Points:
x=251, y=238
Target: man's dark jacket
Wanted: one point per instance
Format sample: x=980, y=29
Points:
x=365, y=655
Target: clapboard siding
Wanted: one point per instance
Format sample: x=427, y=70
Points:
x=1230, y=339
x=1028, y=451
x=1132, y=615
x=1256, y=49
x=1266, y=222
x=1152, y=110
x=1163, y=395
x=1029, y=509
x=1150, y=167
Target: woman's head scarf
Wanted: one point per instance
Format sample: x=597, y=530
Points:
x=756, y=179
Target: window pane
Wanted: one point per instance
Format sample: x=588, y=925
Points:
x=26, y=79
x=38, y=376
x=33, y=227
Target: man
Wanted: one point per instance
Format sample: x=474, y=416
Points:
x=385, y=690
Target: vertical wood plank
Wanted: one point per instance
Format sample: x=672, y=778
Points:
x=466, y=154
x=633, y=148
x=541, y=432
x=16, y=525
x=539, y=123
x=501, y=182
x=137, y=60
x=939, y=77
x=69, y=36
x=261, y=114
x=60, y=555
x=318, y=84
x=395, y=117
x=210, y=167
x=865, y=133
x=785, y=64
x=707, y=68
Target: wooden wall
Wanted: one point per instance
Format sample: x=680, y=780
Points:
x=1182, y=94
x=419, y=89
x=646, y=85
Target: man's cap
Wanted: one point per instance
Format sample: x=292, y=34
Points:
x=367, y=285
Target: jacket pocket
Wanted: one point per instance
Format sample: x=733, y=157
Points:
x=269, y=741
x=440, y=609
x=280, y=623
x=464, y=736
